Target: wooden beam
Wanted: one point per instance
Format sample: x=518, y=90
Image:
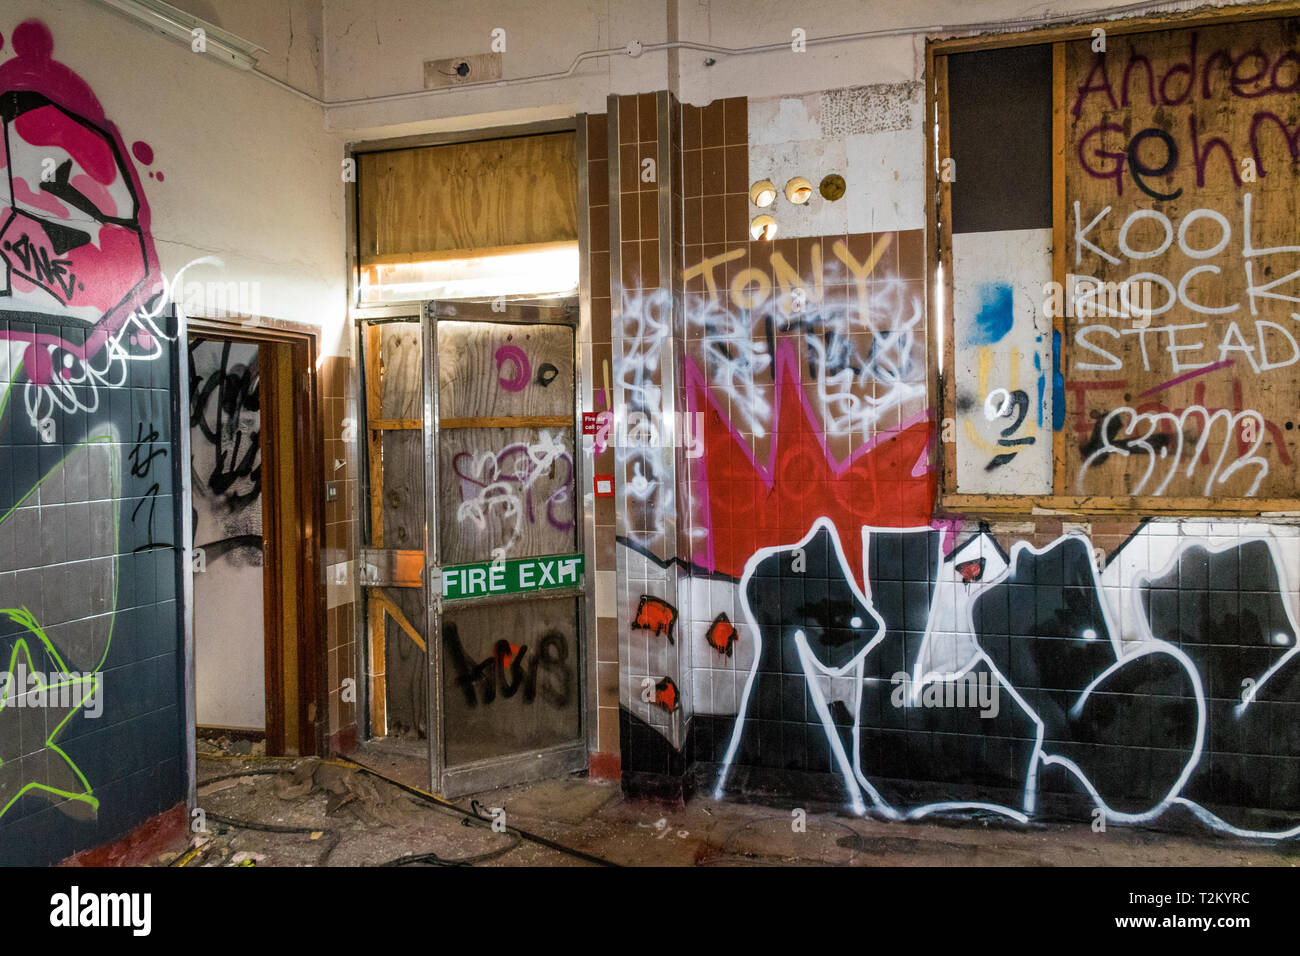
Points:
x=1083, y=29
x=517, y=421
x=379, y=599
x=1059, y=478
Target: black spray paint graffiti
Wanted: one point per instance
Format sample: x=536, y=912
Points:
x=142, y=456
x=510, y=669
x=236, y=472
x=225, y=429
x=1138, y=709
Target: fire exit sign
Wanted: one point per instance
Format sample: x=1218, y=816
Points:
x=511, y=577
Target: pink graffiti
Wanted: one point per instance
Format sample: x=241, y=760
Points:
x=523, y=368
x=514, y=464
x=75, y=240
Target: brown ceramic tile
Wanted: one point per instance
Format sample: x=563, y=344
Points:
x=713, y=172
x=649, y=124
x=602, y=365
x=600, y=274
x=728, y=272
x=607, y=683
x=692, y=214
x=690, y=127
x=607, y=729
x=736, y=123
x=888, y=262
x=860, y=247
x=737, y=169
x=598, y=182
x=737, y=213
x=714, y=226
x=692, y=256
x=597, y=135
x=629, y=167
x=649, y=215
x=911, y=253
x=810, y=262
x=711, y=132
x=598, y=229
x=627, y=120
x=788, y=249
x=607, y=639
x=605, y=506
x=629, y=225
x=650, y=265
x=692, y=174
x=631, y=266
x=336, y=538
x=606, y=558
x=600, y=311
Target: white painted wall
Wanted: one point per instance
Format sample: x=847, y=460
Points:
x=378, y=47
x=249, y=173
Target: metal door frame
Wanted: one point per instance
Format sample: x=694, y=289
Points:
x=529, y=765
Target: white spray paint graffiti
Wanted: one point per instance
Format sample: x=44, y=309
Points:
x=1117, y=440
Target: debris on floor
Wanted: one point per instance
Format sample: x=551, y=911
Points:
x=332, y=812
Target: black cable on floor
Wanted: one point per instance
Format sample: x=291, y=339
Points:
x=471, y=815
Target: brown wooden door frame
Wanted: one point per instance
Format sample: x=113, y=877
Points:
x=308, y=450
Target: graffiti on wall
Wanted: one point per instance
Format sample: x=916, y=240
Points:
x=82, y=314
x=1180, y=176
x=826, y=623
x=75, y=239
x=225, y=429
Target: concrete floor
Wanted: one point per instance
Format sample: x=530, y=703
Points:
x=330, y=812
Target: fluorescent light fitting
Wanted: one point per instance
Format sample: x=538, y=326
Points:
x=165, y=19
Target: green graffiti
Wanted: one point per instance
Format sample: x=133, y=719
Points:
x=35, y=634
x=25, y=618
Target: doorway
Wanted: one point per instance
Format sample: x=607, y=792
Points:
x=254, y=493
x=475, y=536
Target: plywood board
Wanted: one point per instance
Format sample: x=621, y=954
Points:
x=501, y=192
x=495, y=370
x=510, y=678
x=1181, y=171
x=505, y=492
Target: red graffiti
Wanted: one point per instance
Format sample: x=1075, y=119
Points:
x=721, y=635
x=886, y=483
x=666, y=694
x=656, y=616
x=971, y=570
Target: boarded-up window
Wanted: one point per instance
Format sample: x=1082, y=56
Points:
x=424, y=203
x=1169, y=276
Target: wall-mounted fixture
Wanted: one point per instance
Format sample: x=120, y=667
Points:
x=763, y=227
x=762, y=193
x=798, y=190
x=169, y=21
x=832, y=187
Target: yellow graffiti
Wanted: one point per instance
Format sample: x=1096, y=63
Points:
x=982, y=388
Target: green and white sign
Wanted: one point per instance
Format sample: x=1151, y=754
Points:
x=511, y=577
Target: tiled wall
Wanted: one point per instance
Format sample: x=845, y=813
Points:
x=605, y=758
x=88, y=579
x=338, y=385
x=1146, y=669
